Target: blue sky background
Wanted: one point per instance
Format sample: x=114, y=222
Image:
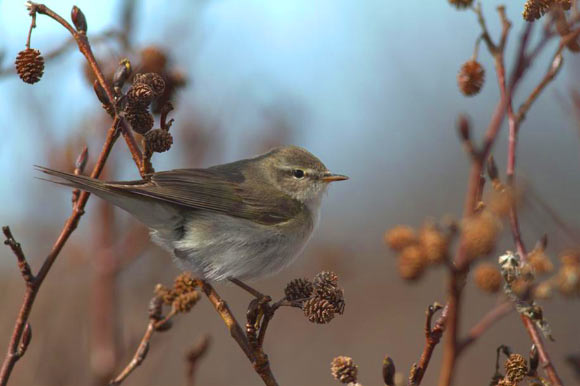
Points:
x=373, y=81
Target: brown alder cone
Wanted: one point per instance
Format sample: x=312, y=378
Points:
x=344, y=370
x=471, y=78
x=158, y=140
x=516, y=368
x=29, y=65
x=461, y=4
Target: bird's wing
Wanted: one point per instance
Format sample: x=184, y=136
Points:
x=216, y=189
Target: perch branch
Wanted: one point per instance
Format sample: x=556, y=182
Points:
x=261, y=366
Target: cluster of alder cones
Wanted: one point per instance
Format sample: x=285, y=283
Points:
x=321, y=299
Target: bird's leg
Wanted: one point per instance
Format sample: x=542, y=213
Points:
x=249, y=289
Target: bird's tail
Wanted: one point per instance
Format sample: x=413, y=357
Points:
x=153, y=213
x=91, y=185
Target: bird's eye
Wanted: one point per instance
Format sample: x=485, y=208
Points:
x=298, y=173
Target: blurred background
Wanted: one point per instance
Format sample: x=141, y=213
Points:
x=369, y=87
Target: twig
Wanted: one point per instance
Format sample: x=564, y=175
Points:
x=32, y=290
x=553, y=70
x=20, y=327
x=64, y=48
x=193, y=357
x=155, y=324
x=85, y=48
x=262, y=367
x=514, y=122
x=544, y=356
x=486, y=322
x=432, y=338
x=22, y=262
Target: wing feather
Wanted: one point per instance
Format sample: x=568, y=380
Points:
x=219, y=190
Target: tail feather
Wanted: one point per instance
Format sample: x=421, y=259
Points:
x=89, y=184
x=154, y=213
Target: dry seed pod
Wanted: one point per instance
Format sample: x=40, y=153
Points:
x=140, y=94
x=344, y=370
x=155, y=81
x=487, y=278
x=461, y=4
x=471, y=77
x=535, y=9
x=158, y=140
x=298, y=289
x=516, y=368
x=29, y=65
x=400, y=236
x=139, y=118
x=325, y=278
x=318, y=310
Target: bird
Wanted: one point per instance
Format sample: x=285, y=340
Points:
x=242, y=220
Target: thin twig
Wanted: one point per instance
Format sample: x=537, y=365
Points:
x=12, y=353
x=22, y=262
x=547, y=364
x=85, y=48
x=432, y=338
x=194, y=355
x=143, y=348
x=262, y=367
x=32, y=290
x=455, y=286
x=553, y=70
x=484, y=324
x=514, y=122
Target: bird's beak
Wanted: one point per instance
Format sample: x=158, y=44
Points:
x=330, y=177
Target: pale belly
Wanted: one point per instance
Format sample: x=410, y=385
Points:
x=218, y=247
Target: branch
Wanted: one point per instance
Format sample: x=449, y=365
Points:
x=261, y=364
x=484, y=324
x=432, y=338
x=155, y=324
x=85, y=48
x=22, y=262
x=514, y=122
x=21, y=326
x=32, y=290
x=553, y=70
x=461, y=262
x=547, y=364
x=193, y=357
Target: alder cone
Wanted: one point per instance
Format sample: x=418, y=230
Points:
x=29, y=65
